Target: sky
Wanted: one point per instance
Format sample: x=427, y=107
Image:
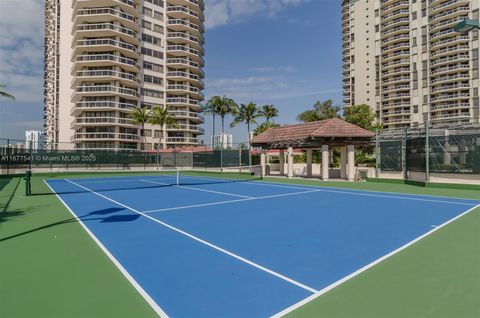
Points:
x=281, y=52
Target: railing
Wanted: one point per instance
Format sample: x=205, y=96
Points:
x=111, y=42
x=107, y=73
x=106, y=26
x=106, y=135
x=100, y=11
x=106, y=57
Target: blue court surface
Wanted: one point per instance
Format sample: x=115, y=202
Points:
x=215, y=248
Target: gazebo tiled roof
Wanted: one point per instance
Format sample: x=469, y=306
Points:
x=329, y=131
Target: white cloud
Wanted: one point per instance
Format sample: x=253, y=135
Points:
x=273, y=69
x=222, y=12
x=21, y=48
x=264, y=88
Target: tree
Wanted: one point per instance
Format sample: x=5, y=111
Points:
x=247, y=114
x=264, y=127
x=210, y=108
x=321, y=110
x=226, y=106
x=4, y=93
x=141, y=116
x=360, y=115
x=269, y=112
x=161, y=117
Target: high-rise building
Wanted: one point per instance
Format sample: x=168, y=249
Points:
x=34, y=139
x=403, y=58
x=105, y=58
x=222, y=139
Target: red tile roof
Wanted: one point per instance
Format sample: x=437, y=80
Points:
x=319, y=129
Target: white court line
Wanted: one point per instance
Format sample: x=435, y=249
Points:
x=122, y=269
x=230, y=201
x=356, y=192
x=366, y=267
x=285, y=278
x=204, y=190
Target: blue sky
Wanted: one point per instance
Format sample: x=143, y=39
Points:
x=281, y=52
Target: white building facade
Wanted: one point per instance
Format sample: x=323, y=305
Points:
x=403, y=58
x=34, y=139
x=224, y=141
x=104, y=59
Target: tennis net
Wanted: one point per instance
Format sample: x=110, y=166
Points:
x=129, y=180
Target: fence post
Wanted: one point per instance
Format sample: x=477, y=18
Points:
x=8, y=156
x=427, y=151
x=404, y=154
x=377, y=154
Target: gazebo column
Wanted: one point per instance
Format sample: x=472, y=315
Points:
x=309, y=163
x=325, y=162
x=343, y=163
x=351, y=162
x=263, y=163
x=281, y=162
x=290, y=162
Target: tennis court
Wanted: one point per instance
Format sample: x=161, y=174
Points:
x=208, y=246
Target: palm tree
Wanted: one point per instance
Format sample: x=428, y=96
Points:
x=4, y=94
x=161, y=117
x=141, y=116
x=210, y=109
x=226, y=106
x=248, y=115
x=269, y=112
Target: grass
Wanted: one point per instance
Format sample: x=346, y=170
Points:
x=50, y=263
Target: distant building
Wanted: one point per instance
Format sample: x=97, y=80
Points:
x=404, y=59
x=227, y=141
x=34, y=139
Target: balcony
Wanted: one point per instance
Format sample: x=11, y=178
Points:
x=444, y=97
x=99, y=15
x=182, y=37
x=449, y=106
x=183, y=50
x=79, y=136
x=452, y=68
x=443, y=116
x=179, y=12
x=448, y=59
x=102, y=45
x=184, y=25
x=450, y=78
x=101, y=121
x=181, y=62
x=197, y=5
x=92, y=60
x=182, y=140
x=184, y=76
x=103, y=30
x=185, y=89
x=125, y=78
x=185, y=127
x=454, y=87
x=183, y=101
x=193, y=116
x=446, y=5
x=102, y=106
x=128, y=6
x=104, y=90
x=449, y=14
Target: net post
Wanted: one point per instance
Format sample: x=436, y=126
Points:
x=178, y=177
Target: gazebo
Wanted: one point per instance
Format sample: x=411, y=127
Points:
x=323, y=135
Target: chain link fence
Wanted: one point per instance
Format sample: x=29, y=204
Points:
x=16, y=156
x=454, y=151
